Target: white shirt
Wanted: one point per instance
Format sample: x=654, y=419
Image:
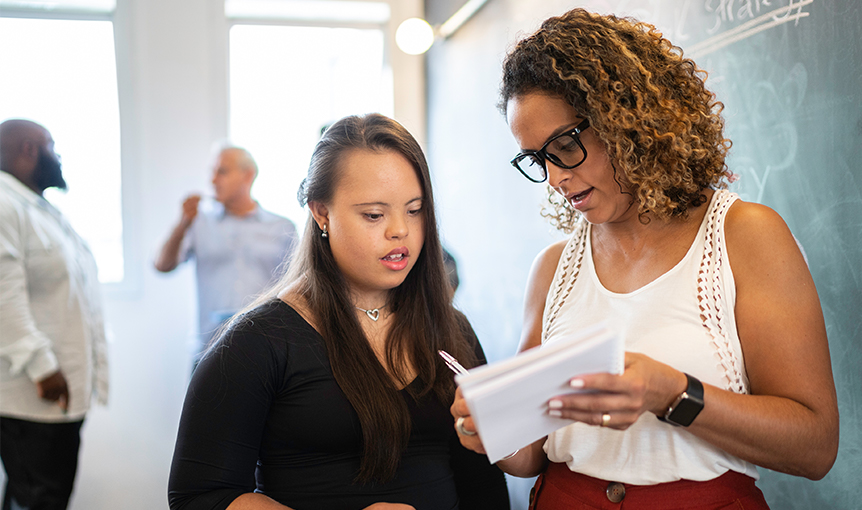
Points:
x=50, y=309
x=684, y=318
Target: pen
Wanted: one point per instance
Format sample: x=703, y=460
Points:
x=456, y=367
x=451, y=362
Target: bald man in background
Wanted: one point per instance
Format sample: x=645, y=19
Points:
x=53, y=356
x=237, y=245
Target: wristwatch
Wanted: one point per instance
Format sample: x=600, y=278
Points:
x=687, y=405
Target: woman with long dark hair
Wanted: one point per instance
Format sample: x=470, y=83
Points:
x=328, y=391
x=727, y=364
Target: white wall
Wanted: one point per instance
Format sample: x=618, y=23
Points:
x=172, y=62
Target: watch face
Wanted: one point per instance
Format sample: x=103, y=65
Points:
x=685, y=411
x=687, y=406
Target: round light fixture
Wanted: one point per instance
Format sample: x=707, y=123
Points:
x=414, y=36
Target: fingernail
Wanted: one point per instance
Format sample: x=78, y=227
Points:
x=576, y=383
x=555, y=404
x=555, y=413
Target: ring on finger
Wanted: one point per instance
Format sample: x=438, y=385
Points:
x=606, y=419
x=459, y=426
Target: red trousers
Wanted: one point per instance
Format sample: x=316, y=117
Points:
x=558, y=488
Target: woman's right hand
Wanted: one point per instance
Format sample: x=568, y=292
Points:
x=460, y=411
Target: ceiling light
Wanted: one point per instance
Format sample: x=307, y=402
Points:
x=414, y=36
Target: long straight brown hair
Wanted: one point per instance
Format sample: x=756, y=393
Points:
x=424, y=319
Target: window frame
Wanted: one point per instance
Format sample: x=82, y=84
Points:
x=130, y=282
x=292, y=212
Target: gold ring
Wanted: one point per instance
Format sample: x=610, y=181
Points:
x=606, y=419
x=459, y=426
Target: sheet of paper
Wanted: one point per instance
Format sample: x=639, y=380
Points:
x=508, y=399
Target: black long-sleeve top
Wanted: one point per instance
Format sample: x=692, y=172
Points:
x=264, y=413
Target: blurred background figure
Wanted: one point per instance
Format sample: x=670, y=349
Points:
x=237, y=245
x=52, y=339
x=451, y=271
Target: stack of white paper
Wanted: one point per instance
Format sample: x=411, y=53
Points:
x=508, y=399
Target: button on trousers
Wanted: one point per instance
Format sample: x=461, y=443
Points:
x=558, y=488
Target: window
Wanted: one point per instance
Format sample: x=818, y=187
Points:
x=286, y=84
x=62, y=74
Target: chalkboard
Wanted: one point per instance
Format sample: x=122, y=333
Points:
x=789, y=73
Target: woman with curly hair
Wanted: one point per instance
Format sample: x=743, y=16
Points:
x=727, y=364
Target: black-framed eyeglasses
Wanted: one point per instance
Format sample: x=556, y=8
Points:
x=564, y=150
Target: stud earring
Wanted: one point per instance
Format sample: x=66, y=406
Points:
x=324, y=233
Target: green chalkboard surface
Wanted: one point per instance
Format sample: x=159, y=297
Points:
x=790, y=76
x=789, y=73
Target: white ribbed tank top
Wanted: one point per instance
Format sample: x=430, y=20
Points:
x=684, y=318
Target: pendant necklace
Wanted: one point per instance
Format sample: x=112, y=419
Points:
x=372, y=314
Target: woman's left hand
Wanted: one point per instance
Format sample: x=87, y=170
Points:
x=617, y=401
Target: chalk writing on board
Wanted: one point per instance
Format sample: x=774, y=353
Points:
x=765, y=134
x=728, y=11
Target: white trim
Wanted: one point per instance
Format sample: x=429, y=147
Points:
x=312, y=12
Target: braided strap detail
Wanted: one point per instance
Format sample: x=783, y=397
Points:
x=710, y=296
x=564, y=279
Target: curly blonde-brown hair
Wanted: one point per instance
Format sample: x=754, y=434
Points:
x=662, y=128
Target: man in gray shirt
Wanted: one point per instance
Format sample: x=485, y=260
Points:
x=237, y=245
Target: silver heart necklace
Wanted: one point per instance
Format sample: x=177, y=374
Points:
x=372, y=314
